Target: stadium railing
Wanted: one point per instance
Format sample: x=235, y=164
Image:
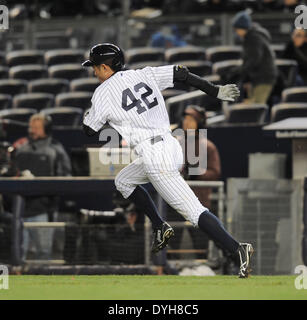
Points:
x=61, y=186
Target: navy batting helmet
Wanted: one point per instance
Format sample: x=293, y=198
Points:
x=107, y=53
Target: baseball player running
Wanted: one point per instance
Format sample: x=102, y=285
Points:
x=132, y=103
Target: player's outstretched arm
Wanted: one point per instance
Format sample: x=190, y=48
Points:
x=229, y=92
x=88, y=131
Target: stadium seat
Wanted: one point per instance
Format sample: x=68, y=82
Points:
x=52, y=86
x=2, y=58
x=279, y=50
x=12, y=128
x=22, y=115
x=64, y=56
x=22, y=57
x=84, y=84
x=213, y=78
x=296, y=94
x=36, y=101
x=50, y=40
x=65, y=116
x=283, y=111
x=74, y=99
x=169, y=93
x=288, y=69
x=246, y=113
x=12, y=87
x=4, y=72
x=5, y=101
x=225, y=70
x=223, y=53
x=67, y=71
x=141, y=65
x=185, y=53
x=28, y=72
x=144, y=54
x=201, y=68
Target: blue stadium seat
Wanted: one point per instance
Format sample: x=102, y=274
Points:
x=74, y=99
x=64, y=56
x=5, y=101
x=67, y=71
x=12, y=87
x=28, y=72
x=4, y=72
x=52, y=86
x=22, y=115
x=65, y=116
x=223, y=53
x=2, y=58
x=22, y=57
x=144, y=54
x=296, y=94
x=84, y=84
x=185, y=53
x=246, y=113
x=141, y=65
x=283, y=111
x=36, y=101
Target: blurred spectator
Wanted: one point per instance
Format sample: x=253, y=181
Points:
x=129, y=238
x=296, y=49
x=258, y=71
x=271, y=5
x=167, y=37
x=40, y=155
x=7, y=169
x=194, y=118
x=291, y=4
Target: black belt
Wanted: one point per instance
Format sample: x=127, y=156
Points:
x=156, y=139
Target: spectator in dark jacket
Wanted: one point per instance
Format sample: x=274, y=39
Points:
x=258, y=69
x=296, y=49
x=40, y=155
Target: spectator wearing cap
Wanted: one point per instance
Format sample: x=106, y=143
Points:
x=258, y=70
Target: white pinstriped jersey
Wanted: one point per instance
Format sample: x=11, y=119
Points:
x=132, y=103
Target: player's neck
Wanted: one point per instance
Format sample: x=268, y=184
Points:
x=108, y=75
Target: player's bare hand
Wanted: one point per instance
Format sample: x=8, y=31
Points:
x=229, y=92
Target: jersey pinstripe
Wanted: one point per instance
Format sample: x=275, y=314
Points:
x=132, y=103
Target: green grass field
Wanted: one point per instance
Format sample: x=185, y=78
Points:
x=151, y=288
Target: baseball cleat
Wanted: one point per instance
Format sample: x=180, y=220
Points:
x=245, y=252
x=161, y=237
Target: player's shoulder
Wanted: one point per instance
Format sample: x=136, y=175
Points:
x=102, y=89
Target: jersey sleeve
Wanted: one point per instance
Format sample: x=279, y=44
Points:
x=98, y=114
x=163, y=76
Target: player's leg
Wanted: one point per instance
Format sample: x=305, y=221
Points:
x=163, y=173
x=128, y=182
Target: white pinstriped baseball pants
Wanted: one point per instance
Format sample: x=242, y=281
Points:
x=159, y=164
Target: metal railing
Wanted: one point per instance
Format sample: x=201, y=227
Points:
x=203, y=30
x=21, y=187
